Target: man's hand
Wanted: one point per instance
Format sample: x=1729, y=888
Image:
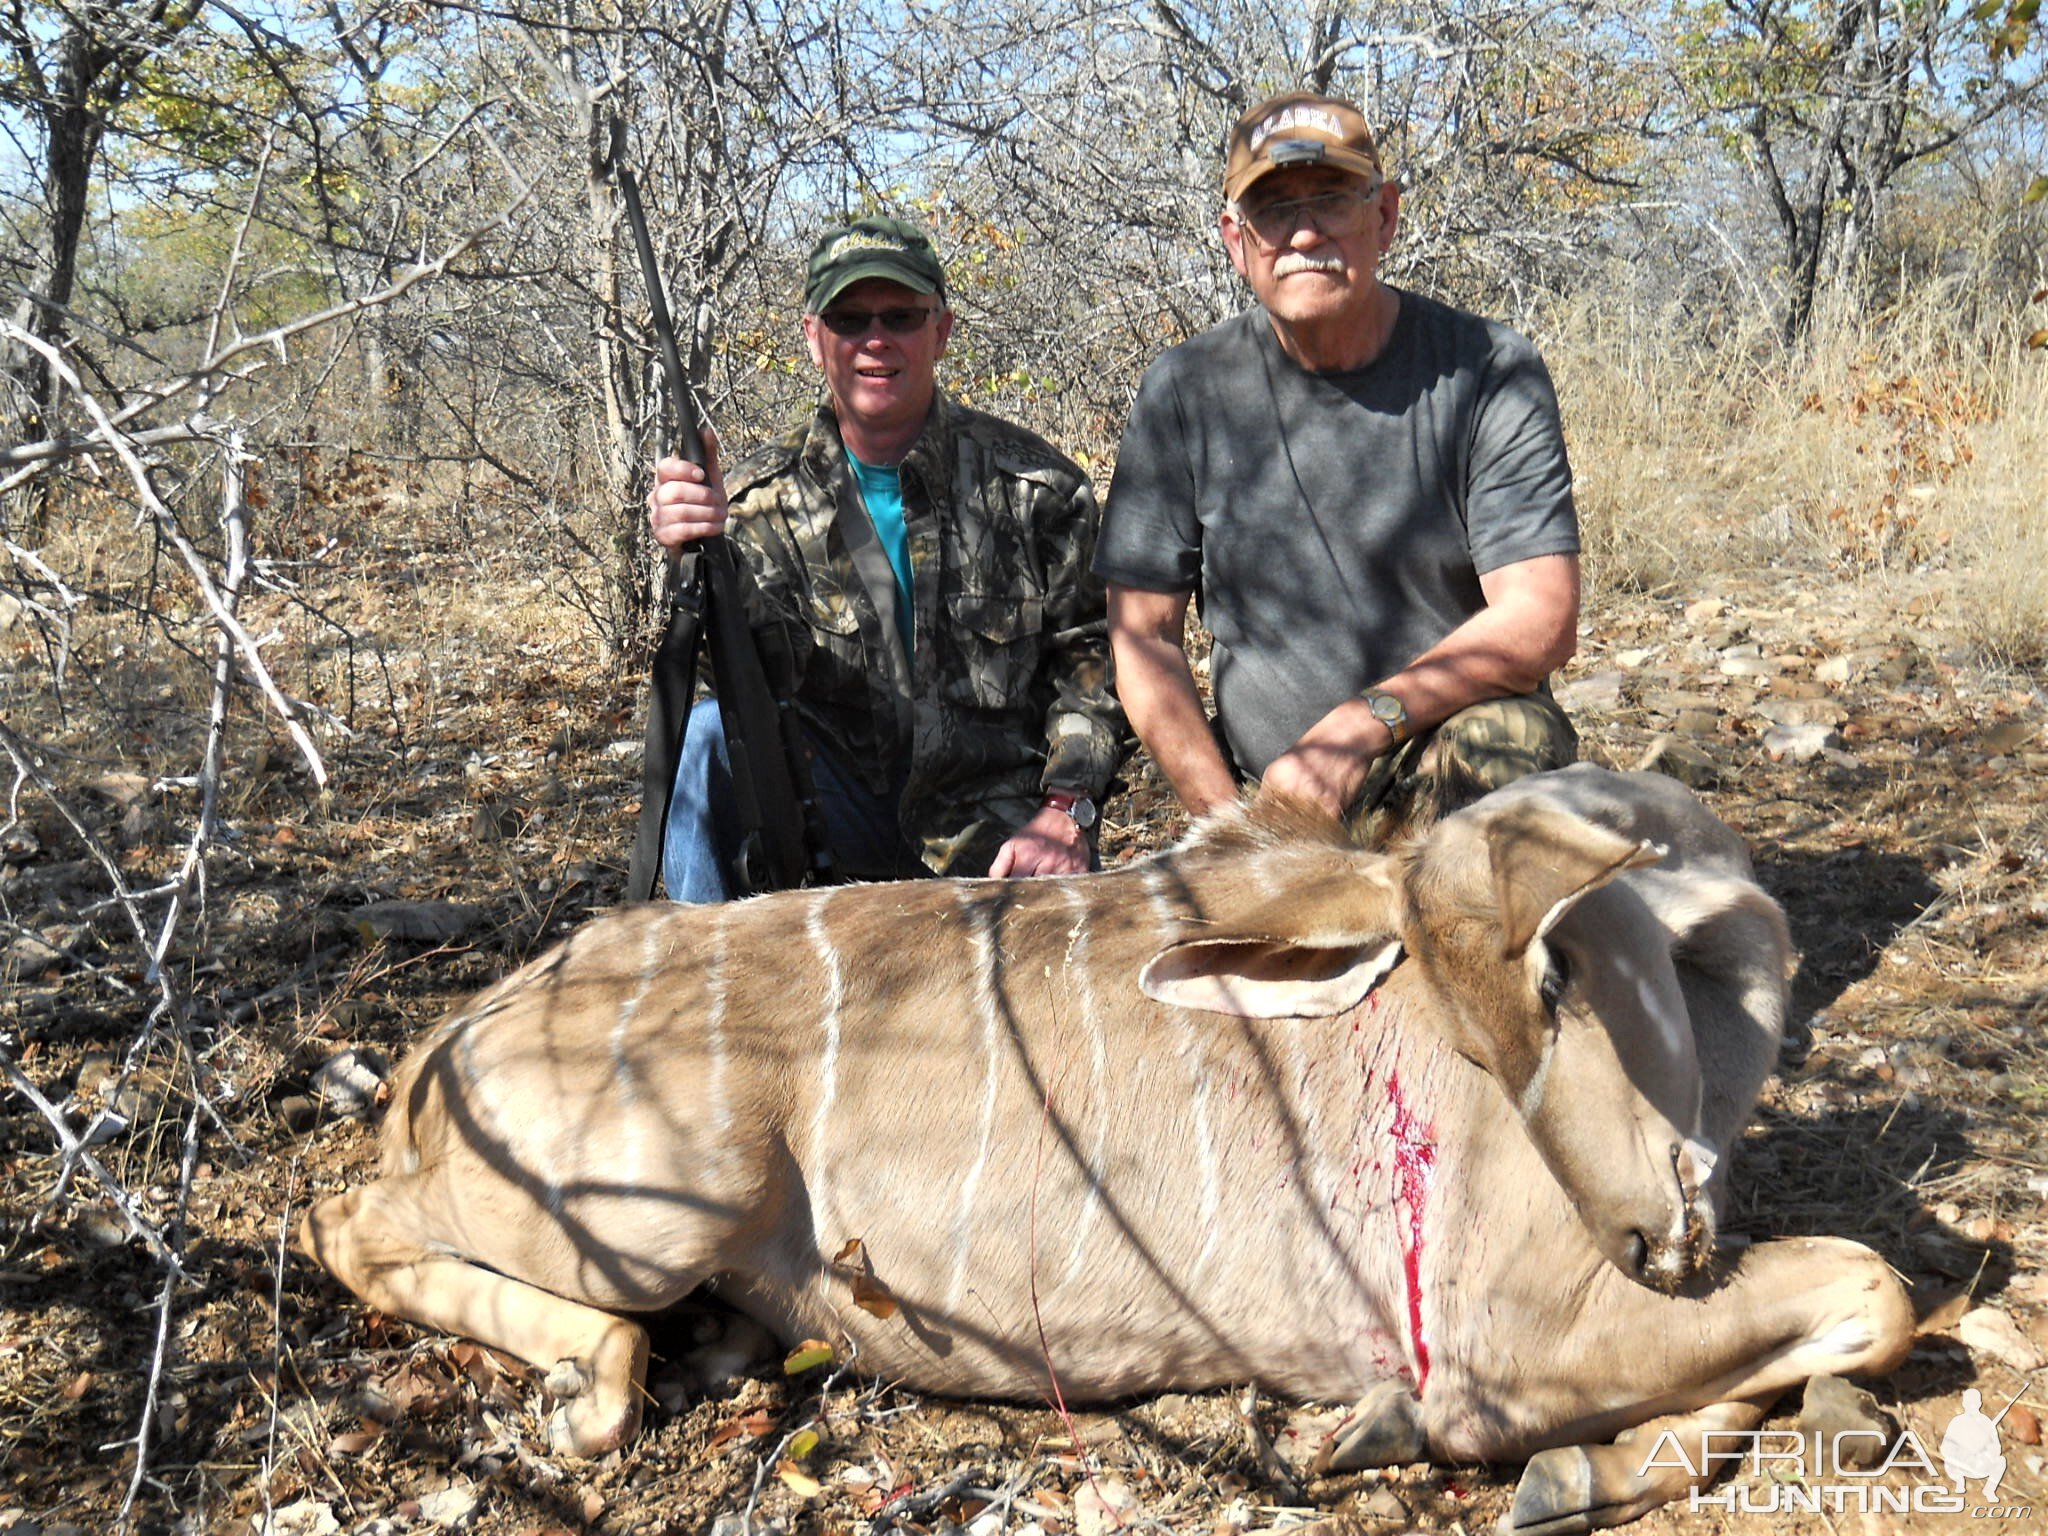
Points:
x=1050, y=843
x=687, y=503
x=1328, y=778
x=1327, y=767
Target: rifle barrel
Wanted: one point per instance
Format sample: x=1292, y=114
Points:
x=689, y=442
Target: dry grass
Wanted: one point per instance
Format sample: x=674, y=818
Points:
x=1890, y=445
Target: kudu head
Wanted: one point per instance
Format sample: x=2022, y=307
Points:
x=1537, y=965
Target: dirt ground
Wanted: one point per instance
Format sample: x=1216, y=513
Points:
x=1908, y=851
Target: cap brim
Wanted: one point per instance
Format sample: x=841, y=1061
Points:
x=1362, y=166
x=860, y=271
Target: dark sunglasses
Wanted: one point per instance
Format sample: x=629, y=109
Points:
x=897, y=322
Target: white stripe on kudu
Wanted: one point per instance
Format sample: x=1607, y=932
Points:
x=982, y=917
x=1083, y=981
x=623, y=1073
x=717, y=1049
x=1188, y=1047
x=828, y=1066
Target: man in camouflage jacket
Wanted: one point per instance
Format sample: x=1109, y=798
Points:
x=970, y=730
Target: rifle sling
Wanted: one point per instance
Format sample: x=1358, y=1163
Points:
x=669, y=691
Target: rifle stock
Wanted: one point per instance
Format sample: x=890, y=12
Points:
x=782, y=835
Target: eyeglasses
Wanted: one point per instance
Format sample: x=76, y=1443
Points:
x=897, y=322
x=1336, y=215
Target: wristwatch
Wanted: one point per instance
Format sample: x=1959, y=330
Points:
x=1389, y=711
x=1075, y=804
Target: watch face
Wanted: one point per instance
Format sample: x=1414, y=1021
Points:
x=1388, y=708
x=1083, y=812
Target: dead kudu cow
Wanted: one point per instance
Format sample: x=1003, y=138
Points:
x=1441, y=1130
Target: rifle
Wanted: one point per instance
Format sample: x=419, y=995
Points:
x=782, y=834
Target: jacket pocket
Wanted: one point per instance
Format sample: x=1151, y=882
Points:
x=998, y=642
x=838, y=656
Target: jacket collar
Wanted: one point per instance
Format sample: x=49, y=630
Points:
x=928, y=462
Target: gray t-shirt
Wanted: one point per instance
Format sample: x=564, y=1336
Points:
x=1334, y=526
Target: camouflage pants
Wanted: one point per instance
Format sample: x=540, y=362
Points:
x=1475, y=751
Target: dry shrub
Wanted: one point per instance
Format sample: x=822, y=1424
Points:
x=1885, y=442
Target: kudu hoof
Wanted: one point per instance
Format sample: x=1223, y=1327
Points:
x=1384, y=1430
x=1555, y=1495
x=586, y=1424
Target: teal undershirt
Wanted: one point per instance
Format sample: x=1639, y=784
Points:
x=881, y=487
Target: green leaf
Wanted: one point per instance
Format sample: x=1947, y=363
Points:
x=807, y=1356
x=2036, y=190
x=802, y=1443
x=1985, y=10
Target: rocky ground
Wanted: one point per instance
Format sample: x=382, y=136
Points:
x=1892, y=787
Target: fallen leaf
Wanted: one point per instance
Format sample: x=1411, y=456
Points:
x=873, y=1297
x=800, y=1482
x=2023, y=1424
x=1945, y=1316
x=807, y=1356
x=593, y=1505
x=802, y=1443
x=356, y=1441
x=76, y=1387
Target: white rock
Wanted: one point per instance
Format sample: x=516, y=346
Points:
x=1800, y=711
x=1596, y=693
x=1989, y=1331
x=1801, y=743
x=348, y=1081
x=1748, y=666
x=452, y=1508
x=1102, y=1505
x=304, y=1518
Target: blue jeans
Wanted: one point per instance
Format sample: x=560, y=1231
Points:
x=702, y=843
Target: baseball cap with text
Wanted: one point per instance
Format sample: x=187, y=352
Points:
x=871, y=247
x=1298, y=128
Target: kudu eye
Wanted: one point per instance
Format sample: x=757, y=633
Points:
x=1557, y=975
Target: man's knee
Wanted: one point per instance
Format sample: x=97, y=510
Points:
x=1471, y=754
x=1491, y=744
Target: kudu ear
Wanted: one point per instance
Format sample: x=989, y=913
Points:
x=1545, y=859
x=1307, y=955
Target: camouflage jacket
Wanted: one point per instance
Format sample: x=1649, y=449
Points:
x=1007, y=689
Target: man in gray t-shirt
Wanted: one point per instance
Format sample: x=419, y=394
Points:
x=1368, y=490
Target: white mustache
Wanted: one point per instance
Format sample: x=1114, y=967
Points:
x=1291, y=262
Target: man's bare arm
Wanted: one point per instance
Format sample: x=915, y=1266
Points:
x=1158, y=690
x=1527, y=630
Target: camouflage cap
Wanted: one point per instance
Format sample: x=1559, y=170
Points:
x=1298, y=128
x=871, y=247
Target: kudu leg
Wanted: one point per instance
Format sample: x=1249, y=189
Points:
x=594, y=1359
x=1573, y=1488
x=1794, y=1309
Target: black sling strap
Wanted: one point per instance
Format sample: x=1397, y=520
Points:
x=782, y=833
